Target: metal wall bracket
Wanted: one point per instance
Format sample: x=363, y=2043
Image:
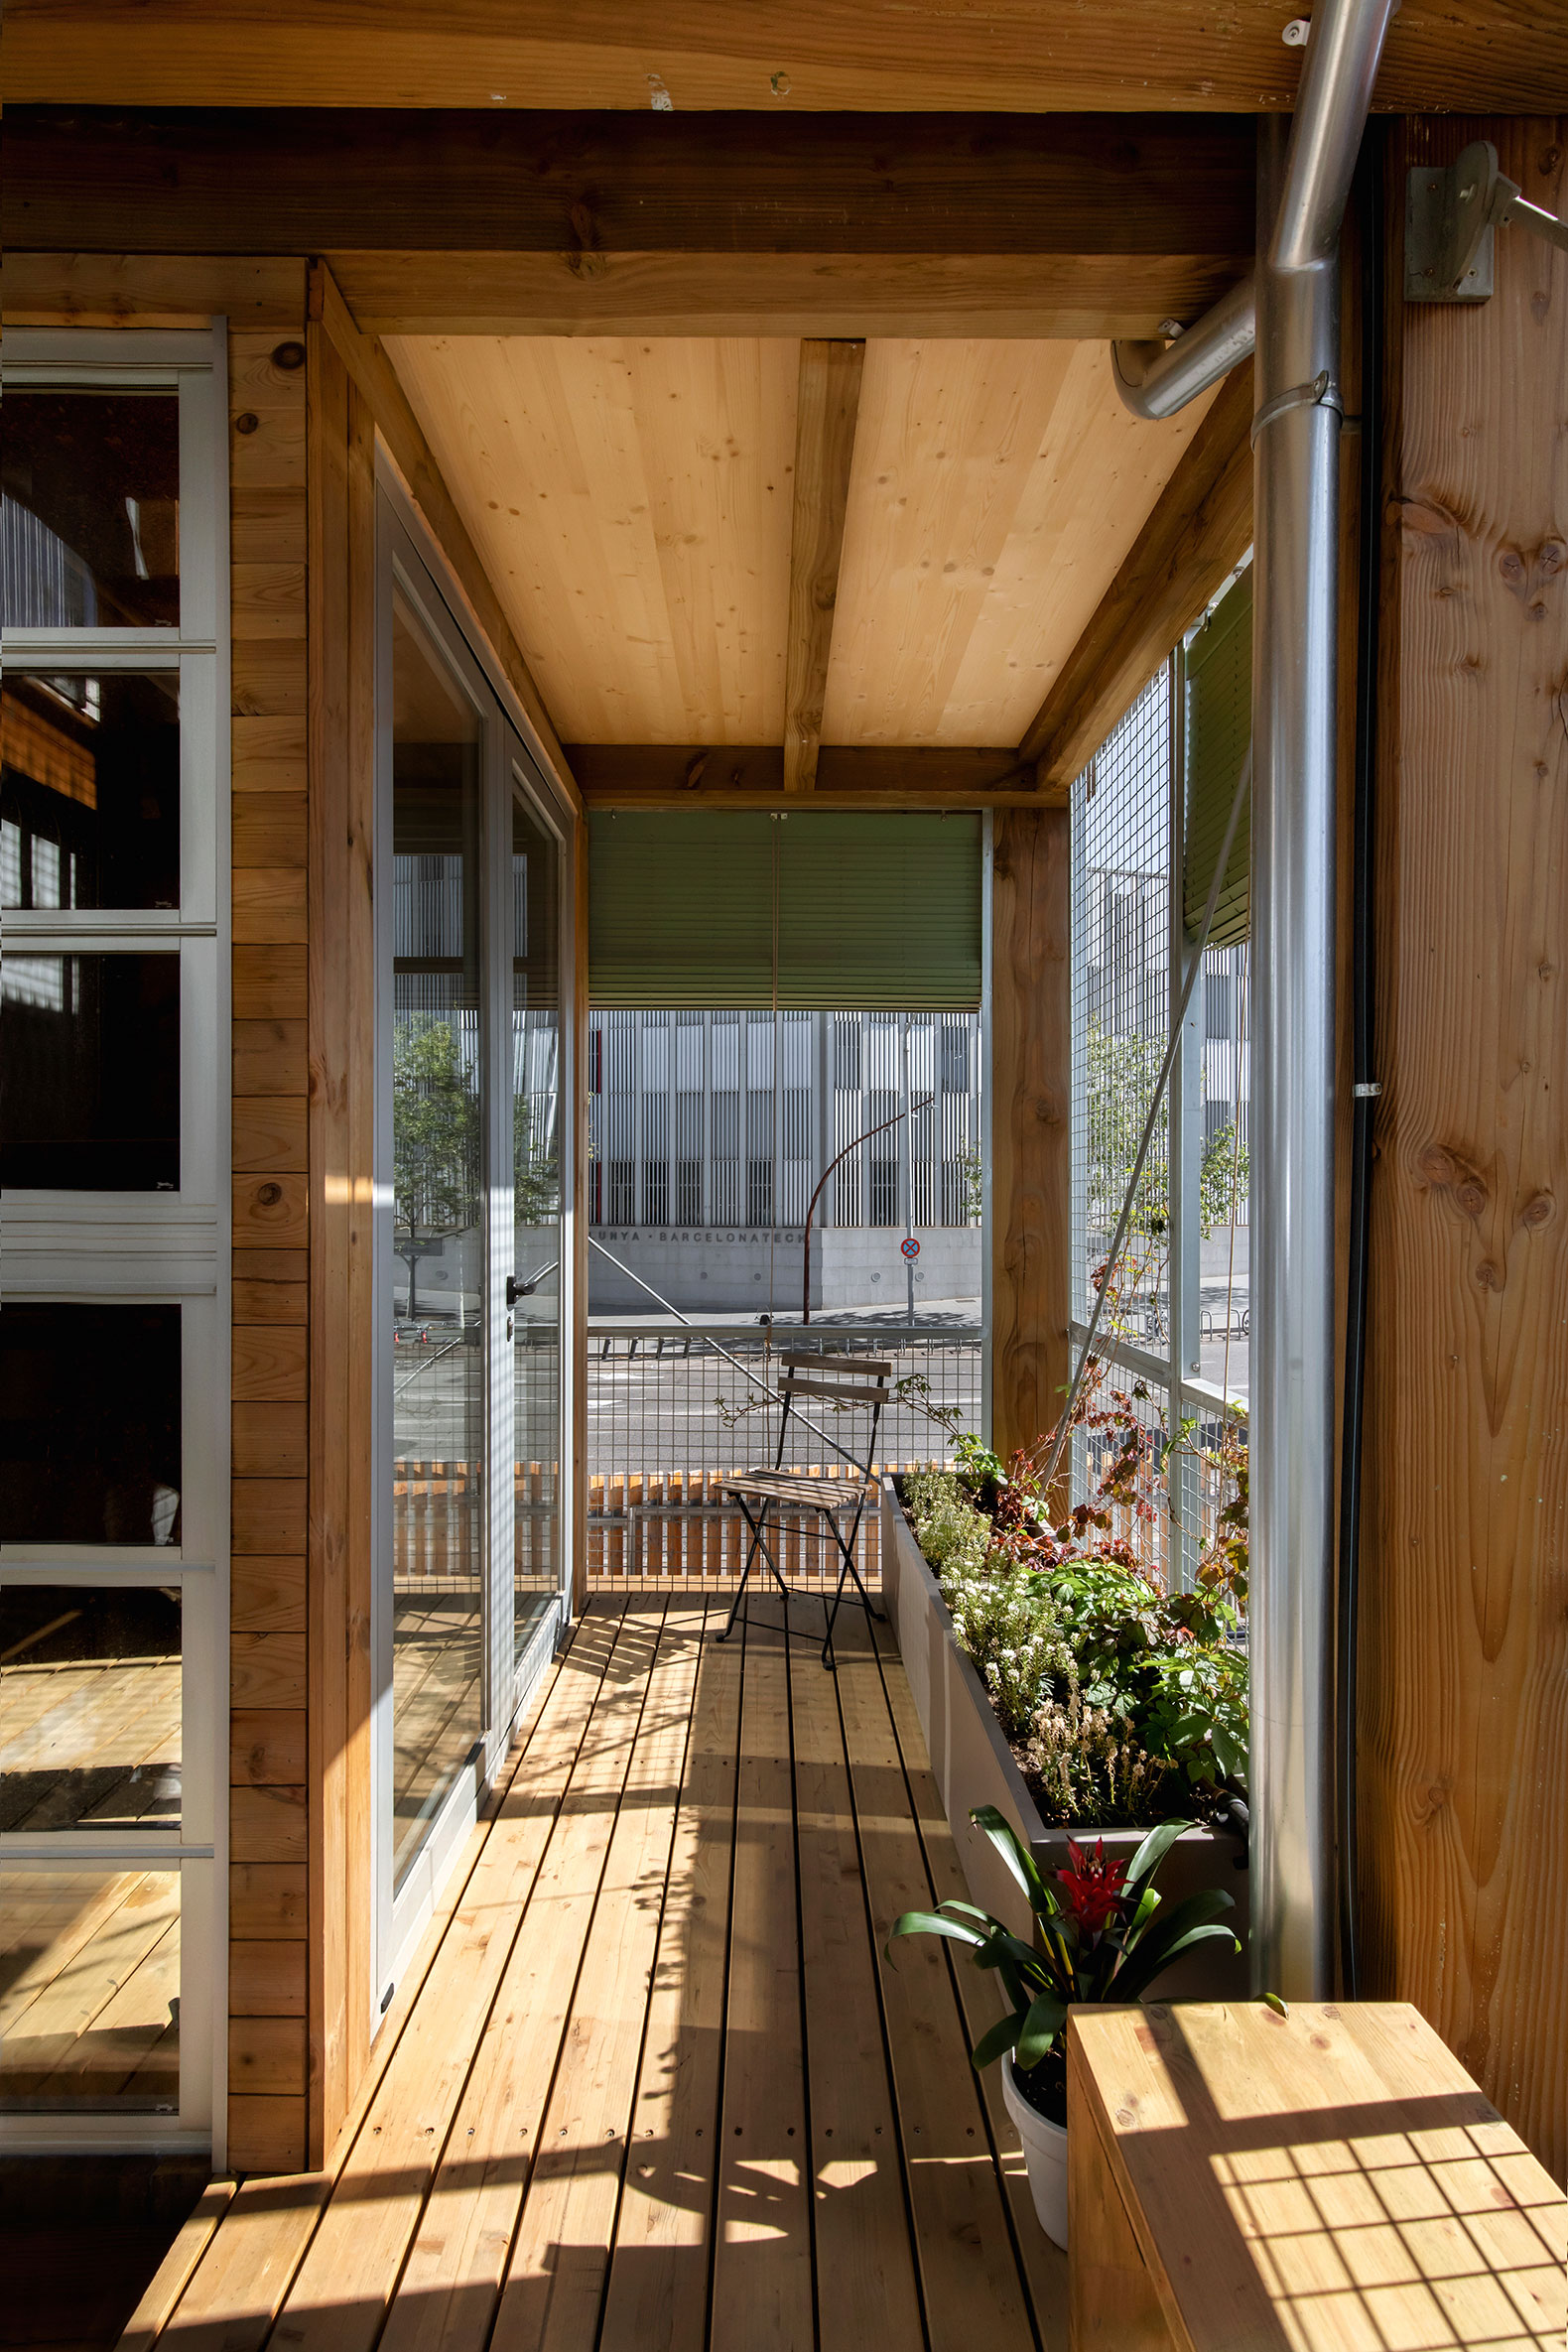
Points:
x=1450, y=215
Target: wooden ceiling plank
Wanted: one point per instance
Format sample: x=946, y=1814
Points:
x=1196, y=534
x=316, y=180
x=827, y=406
x=763, y=55
x=631, y=503
x=1090, y=296
x=377, y=381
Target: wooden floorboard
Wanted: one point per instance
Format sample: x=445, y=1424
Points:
x=656, y=2083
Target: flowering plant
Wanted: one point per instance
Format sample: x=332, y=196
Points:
x=1099, y=1935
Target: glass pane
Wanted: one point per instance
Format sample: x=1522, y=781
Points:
x=89, y=1072
x=90, y=1424
x=536, y=1139
x=89, y=1708
x=438, y=1279
x=91, y=487
x=89, y=800
x=89, y=1990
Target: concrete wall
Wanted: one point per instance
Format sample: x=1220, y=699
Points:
x=735, y=1270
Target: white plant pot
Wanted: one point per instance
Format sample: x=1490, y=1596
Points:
x=1045, y=2152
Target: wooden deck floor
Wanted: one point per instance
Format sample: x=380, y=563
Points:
x=652, y=2082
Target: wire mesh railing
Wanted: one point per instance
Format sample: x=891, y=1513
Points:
x=1175, y=1496
x=675, y=1411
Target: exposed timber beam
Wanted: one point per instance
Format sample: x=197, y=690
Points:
x=1091, y=297
x=388, y=403
x=1196, y=534
x=827, y=404
x=768, y=57
x=314, y=180
x=848, y=776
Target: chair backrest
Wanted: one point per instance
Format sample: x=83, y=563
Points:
x=849, y=1382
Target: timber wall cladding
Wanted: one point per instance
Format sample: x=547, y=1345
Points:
x=268, y=1833
x=1031, y=1058
x=1464, y=1668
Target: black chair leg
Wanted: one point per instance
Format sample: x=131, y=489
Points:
x=756, y=1526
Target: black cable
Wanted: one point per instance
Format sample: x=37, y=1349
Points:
x=1368, y=200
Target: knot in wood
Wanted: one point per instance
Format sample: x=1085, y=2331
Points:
x=289, y=356
x=1538, y=1212
x=1436, y=1165
x=269, y=1195
x=247, y=421
x=1488, y=1275
x=1472, y=1197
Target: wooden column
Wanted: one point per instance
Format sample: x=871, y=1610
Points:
x=1464, y=1652
x=341, y=1037
x=1031, y=1064
x=269, y=1908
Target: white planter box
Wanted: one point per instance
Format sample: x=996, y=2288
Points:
x=975, y=1765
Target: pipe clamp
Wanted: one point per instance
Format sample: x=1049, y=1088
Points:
x=1321, y=392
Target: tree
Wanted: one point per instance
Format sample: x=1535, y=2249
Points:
x=436, y=1142
x=1123, y=1074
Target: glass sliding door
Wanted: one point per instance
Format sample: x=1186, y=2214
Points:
x=471, y=891
x=438, y=1268
x=535, y=1043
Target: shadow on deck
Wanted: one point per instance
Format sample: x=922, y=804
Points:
x=652, y=2081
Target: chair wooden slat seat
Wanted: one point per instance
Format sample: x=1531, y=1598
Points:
x=803, y=1490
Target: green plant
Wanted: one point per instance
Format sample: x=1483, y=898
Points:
x=1102, y=1938
x=953, y=1536
x=1005, y=1624
x=1197, y=1714
x=1087, y=1764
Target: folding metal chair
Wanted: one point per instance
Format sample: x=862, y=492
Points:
x=849, y=1382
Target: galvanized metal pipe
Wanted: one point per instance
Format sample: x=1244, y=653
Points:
x=1156, y=379
x=1302, y=193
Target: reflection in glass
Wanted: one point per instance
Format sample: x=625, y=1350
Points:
x=89, y=1708
x=92, y=509
x=89, y=1990
x=89, y=798
x=90, y=1424
x=90, y=1073
x=536, y=1152
x=438, y=1370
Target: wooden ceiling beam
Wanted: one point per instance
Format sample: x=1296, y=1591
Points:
x=314, y=180
x=1196, y=534
x=848, y=776
x=826, y=405
x=768, y=57
x=376, y=380
x=1093, y=298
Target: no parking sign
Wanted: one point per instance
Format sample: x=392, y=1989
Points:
x=910, y=1248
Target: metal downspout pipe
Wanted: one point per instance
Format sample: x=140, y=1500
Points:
x=1302, y=193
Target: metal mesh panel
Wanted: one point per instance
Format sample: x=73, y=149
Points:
x=669, y=1415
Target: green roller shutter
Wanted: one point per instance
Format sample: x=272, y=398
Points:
x=872, y=912
x=1219, y=727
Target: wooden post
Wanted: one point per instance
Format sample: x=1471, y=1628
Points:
x=1462, y=1681
x=1031, y=1062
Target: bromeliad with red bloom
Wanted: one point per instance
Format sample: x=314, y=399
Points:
x=1098, y=1934
x=1095, y=1885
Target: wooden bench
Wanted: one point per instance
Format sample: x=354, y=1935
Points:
x=1328, y=2180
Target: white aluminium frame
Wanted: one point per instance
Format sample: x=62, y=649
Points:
x=409, y=564
x=157, y=1248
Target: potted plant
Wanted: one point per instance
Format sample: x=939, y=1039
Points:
x=1102, y=1937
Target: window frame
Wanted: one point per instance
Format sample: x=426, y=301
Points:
x=69, y=1246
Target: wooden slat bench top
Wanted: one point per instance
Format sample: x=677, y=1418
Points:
x=1329, y=2181
x=803, y=1490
